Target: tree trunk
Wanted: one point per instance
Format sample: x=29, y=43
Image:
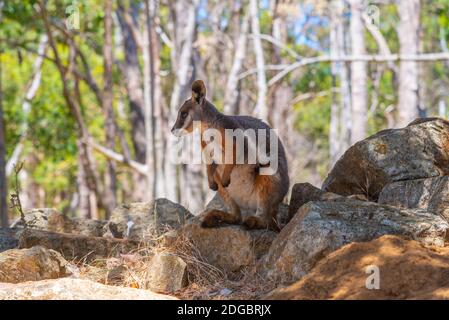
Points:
x=84, y=209
x=3, y=186
x=232, y=85
x=408, y=34
x=358, y=74
x=280, y=94
x=73, y=102
x=133, y=84
x=158, y=114
x=334, y=127
x=341, y=122
x=110, y=183
x=261, y=107
x=184, y=29
x=26, y=105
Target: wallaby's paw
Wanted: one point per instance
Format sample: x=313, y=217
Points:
x=254, y=223
x=211, y=219
x=213, y=186
x=274, y=227
x=226, y=182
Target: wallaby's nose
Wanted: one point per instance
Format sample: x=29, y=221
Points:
x=175, y=131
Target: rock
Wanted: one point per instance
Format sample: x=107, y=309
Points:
x=305, y=192
x=431, y=194
x=94, y=228
x=218, y=204
x=74, y=289
x=45, y=219
x=166, y=273
x=51, y=220
x=73, y=246
x=420, y=150
x=322, y=227
x=36, y=263
x=8, y=239
x=407, y=270
x=142, y=221
x=262, y=240
x=229, y=248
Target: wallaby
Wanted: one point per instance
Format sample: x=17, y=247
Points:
x=241, y=186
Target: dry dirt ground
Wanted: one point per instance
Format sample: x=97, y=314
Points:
x=407, y=271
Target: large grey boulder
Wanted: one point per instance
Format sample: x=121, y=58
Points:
x=76, y=246
x=322, y=227
x=50, y=219
x=431, y=194
x=8, y=239
x=142, y=221
x=420, y=150
x=229, y=248
x=305, y=192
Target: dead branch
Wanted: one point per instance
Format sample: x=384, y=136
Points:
x=15, y=196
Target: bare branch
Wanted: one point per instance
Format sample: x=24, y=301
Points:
x=380, y=40
x=15, y=197
x=278, y=43
x=424, y=57
x=110, y=154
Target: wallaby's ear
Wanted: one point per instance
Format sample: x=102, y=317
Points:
x=198, y=91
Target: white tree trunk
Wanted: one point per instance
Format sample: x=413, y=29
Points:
x=184, y=34
x=358, y=74
x=408, y=33
x=261, y=109
x=148, y=99
x=340, y=127
x=231, y=97
x=334, y=128
x=26, y=105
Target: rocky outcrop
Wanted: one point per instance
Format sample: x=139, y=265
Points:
x=36, y=263
x=167, y=273
x=142, y=221
x=322, y=227
x=73, y=246
x=74, y=289
x=44, y=219
x=407, y=270
x=218, y=204
x=49, y=219
x=431, y=194
x=261, y=241
x=228, y=248
x=420, y=150
x=8, y=239
x=305, y=192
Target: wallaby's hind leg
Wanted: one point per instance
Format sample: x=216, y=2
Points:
x=264, y=219
x=267, y=207
x=214, y=217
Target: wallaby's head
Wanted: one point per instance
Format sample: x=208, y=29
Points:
x=190, y=111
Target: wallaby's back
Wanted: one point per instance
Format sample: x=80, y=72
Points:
x=248, y=122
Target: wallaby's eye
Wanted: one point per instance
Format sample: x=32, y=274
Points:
x=184, y=115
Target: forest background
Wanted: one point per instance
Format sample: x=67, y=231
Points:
x=90, y=89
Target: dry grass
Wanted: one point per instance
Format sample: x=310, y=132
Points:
x=204, y=280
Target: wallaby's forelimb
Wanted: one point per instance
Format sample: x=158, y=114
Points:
x=226, y=175
x=210, y=168
x=215, y=217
